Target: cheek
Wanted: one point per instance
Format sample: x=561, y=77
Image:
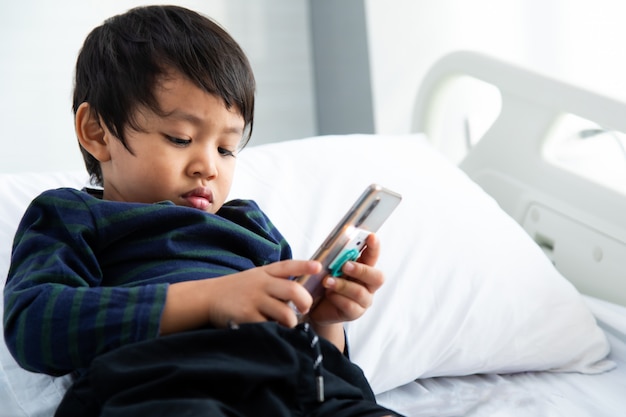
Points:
x=121, y=162
x=226, y=176
x=227, y=166
x=159, y=160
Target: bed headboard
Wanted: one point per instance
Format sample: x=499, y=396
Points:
x=580, y=224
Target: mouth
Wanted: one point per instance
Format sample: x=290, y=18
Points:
x=200, y=198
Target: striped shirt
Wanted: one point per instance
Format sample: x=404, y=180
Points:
x=89, y=275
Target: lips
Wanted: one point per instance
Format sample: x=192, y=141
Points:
x=200, y=198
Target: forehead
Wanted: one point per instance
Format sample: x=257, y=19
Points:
x=178, y=98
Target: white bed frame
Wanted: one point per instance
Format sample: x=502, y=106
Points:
x=580, y=225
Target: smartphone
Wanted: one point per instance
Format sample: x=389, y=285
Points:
x=347, y=239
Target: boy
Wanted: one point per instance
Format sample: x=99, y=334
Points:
x=160, y=296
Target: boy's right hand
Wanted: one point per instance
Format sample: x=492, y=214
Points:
x=256, y=295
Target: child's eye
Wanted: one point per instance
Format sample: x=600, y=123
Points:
x=225, y=152
x=178, y=141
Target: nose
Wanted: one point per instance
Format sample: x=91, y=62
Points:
x=203, y=164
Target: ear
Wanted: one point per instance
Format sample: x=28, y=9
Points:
x=91, y=134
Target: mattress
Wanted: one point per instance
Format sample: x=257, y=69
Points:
x=526, y=394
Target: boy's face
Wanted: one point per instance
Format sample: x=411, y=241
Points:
x=186, y=156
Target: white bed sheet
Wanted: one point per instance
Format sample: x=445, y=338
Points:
x=528, y=394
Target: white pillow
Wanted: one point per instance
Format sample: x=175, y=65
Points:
x=467, y=290
x=24, y=393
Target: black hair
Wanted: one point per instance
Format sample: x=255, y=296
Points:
x=121, y=61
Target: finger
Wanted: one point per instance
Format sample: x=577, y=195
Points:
x=349, y=291
x=346, y=308
x=372, y=250
x=348, y=300
x=290, y=291
x=245, y=315
x=366, y=275
x=290, y=268
x=280, y=312
x=299, y=298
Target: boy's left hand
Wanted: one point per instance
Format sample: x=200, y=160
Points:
x=349, y=296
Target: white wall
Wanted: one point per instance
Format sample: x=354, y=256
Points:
x=39, y=41
x=577, y=41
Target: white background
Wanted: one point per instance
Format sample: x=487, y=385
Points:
x=578, y=41
x=40, y=39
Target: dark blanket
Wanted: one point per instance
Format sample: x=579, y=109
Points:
x=253, y=370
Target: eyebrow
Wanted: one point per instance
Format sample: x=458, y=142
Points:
x=179, y=114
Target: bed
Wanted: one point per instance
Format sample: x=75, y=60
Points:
x=505, y=294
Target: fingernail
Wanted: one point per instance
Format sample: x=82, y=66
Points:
x=330, y=282
x=348, y=267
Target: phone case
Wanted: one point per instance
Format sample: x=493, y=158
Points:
x=347, y=239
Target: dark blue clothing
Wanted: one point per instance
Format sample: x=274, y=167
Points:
x=261, y=369
x=89, y=275
x=86, y=290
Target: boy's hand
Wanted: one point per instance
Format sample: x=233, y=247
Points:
x=348, y=297
x=255, y=295
x=262, y=293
